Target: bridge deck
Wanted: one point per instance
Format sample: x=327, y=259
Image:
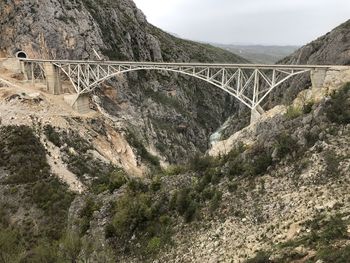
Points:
x=210, y=65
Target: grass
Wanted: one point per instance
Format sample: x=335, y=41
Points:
x=293, y=112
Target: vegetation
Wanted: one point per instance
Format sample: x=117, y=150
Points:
x=139, y=212
x=141, y=149
x=24, y=157
x=338, y=108
x=22, y=154
x=293, y=112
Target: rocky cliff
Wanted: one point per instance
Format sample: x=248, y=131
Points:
x=171, y=114
x=330, y=49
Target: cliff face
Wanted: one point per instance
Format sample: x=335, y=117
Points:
x=173, y=115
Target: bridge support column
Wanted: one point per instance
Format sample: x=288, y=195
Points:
x=53, y=81
x=27, y=71
x=317, y=78
x=256, y=114
x=80, y=103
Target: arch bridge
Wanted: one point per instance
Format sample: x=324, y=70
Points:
x=248, y=83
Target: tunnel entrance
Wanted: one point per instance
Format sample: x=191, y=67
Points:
x=21, y=54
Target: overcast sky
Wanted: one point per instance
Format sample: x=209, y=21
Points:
x=282, y=22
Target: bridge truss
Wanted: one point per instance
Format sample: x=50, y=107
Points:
x=249, y=83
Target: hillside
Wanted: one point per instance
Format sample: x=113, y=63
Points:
x=330, y=49
x=280, y=188
x=129, y=181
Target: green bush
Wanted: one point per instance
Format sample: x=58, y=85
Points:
x=285, y=145
x=338, y=109
x=293, y=112
x=86, y=214
x=186, y=204
x=22, y=153
x=258, y=160
x=111, y=182
x=54, y=199
x=201, y=163
x=131, y=212
x=154, y=245
x=11, y=247
x=332, y=163
x=175, y=170
x=334, y=229
x=261, y=257
x=52, y=135
x=334, y=254
x=141, y=149
x=307, y=108
x=215, y=201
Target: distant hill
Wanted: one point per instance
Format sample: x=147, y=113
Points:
x=259, y=53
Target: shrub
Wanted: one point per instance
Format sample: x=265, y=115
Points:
x=258, y=160
x=293, y=112
x=11, y=248
x=52, y=135
x=110, y=181
x=131, y=211
x=202, y=163
x=175, y=170
x=54, y=199
x=236, y=168
x=335, y=229
x=215, y=201
x=70, y=247
x=338, y=109
x=307, y=108
x=285, y=145
x=232, y=187
x=186, y=204
x=261, y=257
x=141, y=149
x=153, y=245
x=332, y=163
x=86, y=214
x=22, y=153
x=334, y=254
x=43, y=253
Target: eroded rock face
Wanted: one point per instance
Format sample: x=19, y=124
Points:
x=173, y=115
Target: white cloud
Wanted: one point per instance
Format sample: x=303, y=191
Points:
x=253, y=21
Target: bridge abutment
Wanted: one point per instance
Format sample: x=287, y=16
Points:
x=318, y=77
x=53, y=81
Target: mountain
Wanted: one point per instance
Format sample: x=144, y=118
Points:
x=154, y=105
x=96, y=187
x=260, y=54
x=330, y=49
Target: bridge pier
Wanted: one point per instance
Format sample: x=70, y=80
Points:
x=256, y=114
x=80, y=103
x=53, y=81
x=317, y=78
